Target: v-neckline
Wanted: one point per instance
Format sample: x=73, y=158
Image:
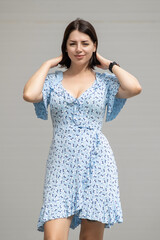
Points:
x=93, y=84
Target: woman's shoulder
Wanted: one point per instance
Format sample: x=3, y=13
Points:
x=54, y=77
x=106, y=74
x=106, y=77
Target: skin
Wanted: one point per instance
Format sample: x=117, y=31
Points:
x=78, y=47
x=59, y=229
x=76, y=80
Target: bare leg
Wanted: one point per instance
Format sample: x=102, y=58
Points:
x=57, y=228
x=91, y=230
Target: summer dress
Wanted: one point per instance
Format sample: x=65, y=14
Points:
x=81, y=176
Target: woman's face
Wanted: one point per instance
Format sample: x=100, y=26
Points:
x=80, y=47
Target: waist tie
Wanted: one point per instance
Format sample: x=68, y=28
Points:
x=92, y=155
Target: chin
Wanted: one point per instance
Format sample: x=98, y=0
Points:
x=80, y=61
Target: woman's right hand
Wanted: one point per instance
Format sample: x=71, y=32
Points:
x=32, y=91
x=53, y=62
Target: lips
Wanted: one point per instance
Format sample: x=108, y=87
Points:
x=79, y=56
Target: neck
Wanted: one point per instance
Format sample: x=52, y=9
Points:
x=78, y=69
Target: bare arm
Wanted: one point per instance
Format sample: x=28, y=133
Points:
x=129, y=85
x=32, y=91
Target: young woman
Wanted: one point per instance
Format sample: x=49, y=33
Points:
x=81, y=181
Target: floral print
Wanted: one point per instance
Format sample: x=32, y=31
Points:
x=81, y=177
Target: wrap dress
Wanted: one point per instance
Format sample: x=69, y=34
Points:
x=81, y=176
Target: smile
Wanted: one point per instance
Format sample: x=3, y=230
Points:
x=79, y=56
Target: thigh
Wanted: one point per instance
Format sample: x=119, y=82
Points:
x=57, y=228
x=91, y=230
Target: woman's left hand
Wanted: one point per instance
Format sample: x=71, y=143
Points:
x=103, y=61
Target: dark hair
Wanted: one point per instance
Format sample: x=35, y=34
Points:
x=84, y=27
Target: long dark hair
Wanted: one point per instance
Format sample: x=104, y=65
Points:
x=84, y=27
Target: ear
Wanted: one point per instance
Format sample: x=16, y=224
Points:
x=95, y=46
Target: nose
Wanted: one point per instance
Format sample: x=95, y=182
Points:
x=78, y=48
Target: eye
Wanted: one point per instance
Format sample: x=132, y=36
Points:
x=83, y=44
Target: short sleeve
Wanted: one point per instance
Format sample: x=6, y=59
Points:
x=114, y=104
x=41, y=108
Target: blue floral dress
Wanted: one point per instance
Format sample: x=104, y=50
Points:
x=81, y=177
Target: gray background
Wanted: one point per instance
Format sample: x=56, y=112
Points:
x=31, y=33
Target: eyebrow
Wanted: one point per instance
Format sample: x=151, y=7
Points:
x=81, y=41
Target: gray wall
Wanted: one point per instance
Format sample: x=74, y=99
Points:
x=31, y=32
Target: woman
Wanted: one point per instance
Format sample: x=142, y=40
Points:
x=81, y=181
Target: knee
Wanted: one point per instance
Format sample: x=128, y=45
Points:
x=53, y=238
x=85, y=237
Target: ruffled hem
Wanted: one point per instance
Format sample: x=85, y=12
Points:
x=109, y=220
x=77, y=221
x=114, y=104
x=41, y=108
x=117, y=105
